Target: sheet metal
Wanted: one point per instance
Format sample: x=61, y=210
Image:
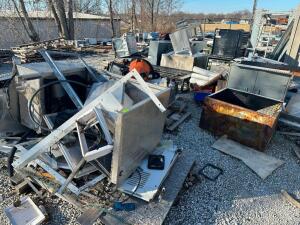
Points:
x=267, y=82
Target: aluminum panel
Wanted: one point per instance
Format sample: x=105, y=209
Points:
x=181, y=40
x=137, y=133
x=241, y=78
x=266, y=82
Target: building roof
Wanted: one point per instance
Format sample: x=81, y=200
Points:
x=49, y=14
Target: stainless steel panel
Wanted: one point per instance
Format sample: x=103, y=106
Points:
x=266, y=82
x=137, y=133
x=241, y=78
x=181, y=40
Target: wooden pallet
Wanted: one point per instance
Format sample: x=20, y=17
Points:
x=177, y=113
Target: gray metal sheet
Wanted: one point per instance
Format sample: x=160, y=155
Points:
x=241, y=78
x=180, y=40
x=137, y=134
x=266, y=82
x=156, y=49
x=34, y=70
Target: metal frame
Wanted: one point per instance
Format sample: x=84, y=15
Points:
x=57, y=176
x=84, y=115
x=59, y=75
x=68, y=88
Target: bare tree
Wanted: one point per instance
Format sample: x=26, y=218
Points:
x=56, y=19
x=65, y=25
x=88, y=6
x=61, y=13
x=133, y=15
x=26, y=22
x=111, y=16
x=150, y=6
x=71, y=19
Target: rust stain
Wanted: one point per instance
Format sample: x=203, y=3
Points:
x=245, y=126
x=239, y=112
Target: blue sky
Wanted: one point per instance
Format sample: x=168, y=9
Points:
x=224, y=6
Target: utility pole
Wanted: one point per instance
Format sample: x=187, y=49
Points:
x=253, y=12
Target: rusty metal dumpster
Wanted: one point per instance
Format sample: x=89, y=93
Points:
x=248, y=109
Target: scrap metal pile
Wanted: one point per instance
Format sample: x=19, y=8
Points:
x=82, y=129
x=75, y=131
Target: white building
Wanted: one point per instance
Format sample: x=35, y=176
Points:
x=12, y=32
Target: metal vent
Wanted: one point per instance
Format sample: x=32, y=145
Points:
x=134, y=179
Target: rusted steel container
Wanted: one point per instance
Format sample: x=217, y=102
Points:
x=248, y=109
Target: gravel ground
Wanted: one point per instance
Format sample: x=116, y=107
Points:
x=238, y=196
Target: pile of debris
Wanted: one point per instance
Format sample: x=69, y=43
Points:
x=29, y=52
x=85, y=132
x=93, y=138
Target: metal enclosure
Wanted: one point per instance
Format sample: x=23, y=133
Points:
x=156, y=49
x=32, y=76
x=125, y=46
x=137, y=128
x=137, y=131
x=248, y=109
x=181, y=40
x=184, y=61
x=229, y=44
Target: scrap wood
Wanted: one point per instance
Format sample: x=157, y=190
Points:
x=47, y=175
x=176, y=114
x=29, y=52
x=262, y=164
x=290, y=199
x=178, y=122
x=89, y=216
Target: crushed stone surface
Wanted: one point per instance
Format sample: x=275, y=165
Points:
x=238, y=196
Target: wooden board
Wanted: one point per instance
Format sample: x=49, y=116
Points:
x=178, y=122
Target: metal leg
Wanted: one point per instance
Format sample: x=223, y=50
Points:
x=92, y=182
x=71, y=176
x=58, y=176
x=101, y=168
